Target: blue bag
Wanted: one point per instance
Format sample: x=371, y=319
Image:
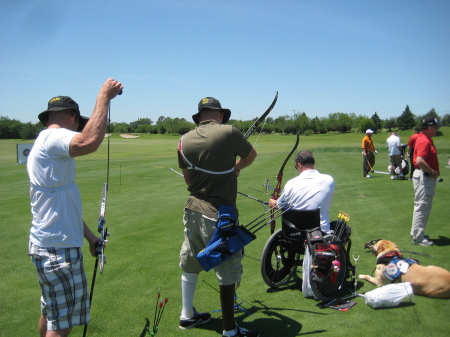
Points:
x=228, y=239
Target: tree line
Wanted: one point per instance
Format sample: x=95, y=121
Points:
x=287, y=124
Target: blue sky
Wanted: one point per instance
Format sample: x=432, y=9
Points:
x=322, y=57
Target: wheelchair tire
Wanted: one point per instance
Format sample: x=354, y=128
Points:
x=325, y=290
x=278, y=261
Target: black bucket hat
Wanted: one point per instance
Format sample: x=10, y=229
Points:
x=60, y=103
x=213, y=104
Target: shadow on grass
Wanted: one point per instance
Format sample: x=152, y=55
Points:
x=295, y=283
x=274, y=324
x=278, y=325
x=442, y=241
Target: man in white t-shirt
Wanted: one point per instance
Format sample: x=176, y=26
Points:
x=395, y=154
x=309, y=190
x=57, y=231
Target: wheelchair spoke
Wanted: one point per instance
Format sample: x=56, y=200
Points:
x=278, y=261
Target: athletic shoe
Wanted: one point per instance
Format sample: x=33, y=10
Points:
x=424, y=242
x=368, y=176
x=197, y=319
x=241, y=332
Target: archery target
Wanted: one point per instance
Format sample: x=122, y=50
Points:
x=23, y=151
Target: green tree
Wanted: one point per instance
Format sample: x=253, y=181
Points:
x=160, y=125
x=340, y=121
x=390, y=123
x=145, y=128
x=446, y=120
x=281, y=123
x=376, y=119
x=28, y=131
x=10, y=128
x=184, y=127
x=406, y=121
x=321, y=125
x=366, y=123
x=140, y=121
x=301, y=122
x=123, y=128
x=170, y=124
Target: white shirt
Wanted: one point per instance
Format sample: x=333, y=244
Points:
x=392, y=143
x=309, y=191
x=55, y=198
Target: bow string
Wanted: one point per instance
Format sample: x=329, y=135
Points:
x=250, y=131
x=100, y=259
x=261, y=118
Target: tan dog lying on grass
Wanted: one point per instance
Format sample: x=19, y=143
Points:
x=428, y=281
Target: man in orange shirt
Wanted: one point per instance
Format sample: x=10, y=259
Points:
x=368, y=150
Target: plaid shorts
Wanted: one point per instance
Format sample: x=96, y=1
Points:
x=65, y=299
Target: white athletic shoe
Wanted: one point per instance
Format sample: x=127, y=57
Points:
x=424, y=242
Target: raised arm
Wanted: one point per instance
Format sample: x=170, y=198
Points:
x=92, y=136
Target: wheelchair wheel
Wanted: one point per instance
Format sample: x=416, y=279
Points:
x=328, y=289
x=278, y=261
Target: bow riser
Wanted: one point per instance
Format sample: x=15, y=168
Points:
x=102, y=230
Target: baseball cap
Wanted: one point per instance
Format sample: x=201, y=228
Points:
x=213, y=104
x=431, y=121
x=60, y=103
x=369, y=131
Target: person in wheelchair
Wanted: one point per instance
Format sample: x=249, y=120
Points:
x=325, y=264
x=309, y=190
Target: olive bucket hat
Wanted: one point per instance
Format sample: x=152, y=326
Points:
x=213, y=104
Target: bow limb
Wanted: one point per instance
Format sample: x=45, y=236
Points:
x=277, y=191
x=146, y=328
x=261, y=118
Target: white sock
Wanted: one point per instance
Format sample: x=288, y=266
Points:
x=188, y=285
x=231, y=332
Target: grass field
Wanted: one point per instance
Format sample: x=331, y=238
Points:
x=144, y=213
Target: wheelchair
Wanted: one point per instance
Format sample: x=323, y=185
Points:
x=285, y=249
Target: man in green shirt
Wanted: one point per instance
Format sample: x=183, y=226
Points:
x=207, y=157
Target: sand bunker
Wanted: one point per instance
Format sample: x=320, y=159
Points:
x=124, y=135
